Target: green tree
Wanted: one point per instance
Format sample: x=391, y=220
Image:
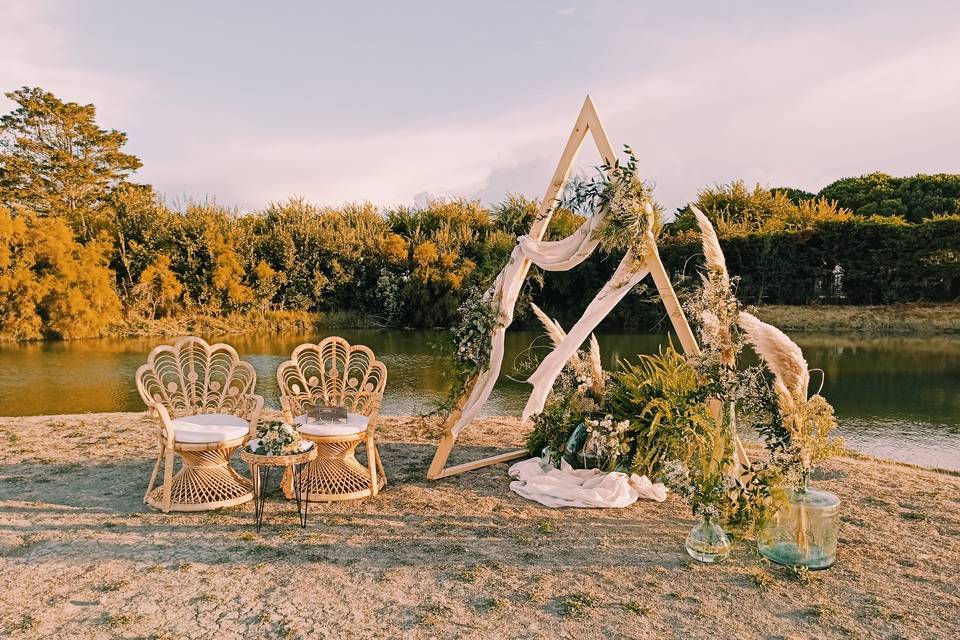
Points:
x=913, y=198
x=56, y=161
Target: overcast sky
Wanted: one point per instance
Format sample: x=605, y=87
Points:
x=252, y=102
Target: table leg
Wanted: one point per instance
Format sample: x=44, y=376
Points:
x=302, y=505
x=260, y=496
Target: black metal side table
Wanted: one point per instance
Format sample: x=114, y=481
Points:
x=260, y=466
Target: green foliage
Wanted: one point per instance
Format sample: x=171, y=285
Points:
x=627, y=200
x=56, y=161
x=664, y=400
x=914, y=198
x=73, y=215
x=796, y=196
x=881, y=260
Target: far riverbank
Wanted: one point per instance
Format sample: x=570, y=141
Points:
x=900, y=319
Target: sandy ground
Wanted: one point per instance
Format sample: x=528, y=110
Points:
x=82, y=557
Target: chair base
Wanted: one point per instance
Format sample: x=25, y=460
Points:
x=205, y=481
x=336, y=474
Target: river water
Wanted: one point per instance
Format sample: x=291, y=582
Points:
x=895, y=397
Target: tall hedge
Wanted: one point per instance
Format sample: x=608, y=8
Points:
x=880, y=260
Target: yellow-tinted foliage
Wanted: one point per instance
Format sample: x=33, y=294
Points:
x=159, y=289
x=227, y=276
x=395, y=248
x=49, y=283
x=424, y=255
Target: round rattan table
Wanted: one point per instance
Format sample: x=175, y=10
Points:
x=260, y=466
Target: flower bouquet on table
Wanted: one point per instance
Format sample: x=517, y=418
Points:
x=276, y=438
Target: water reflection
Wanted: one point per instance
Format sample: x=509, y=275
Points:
x=896, y=397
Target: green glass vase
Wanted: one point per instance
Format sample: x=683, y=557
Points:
x=804, y=531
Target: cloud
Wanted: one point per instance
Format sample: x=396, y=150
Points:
x=34, y=51
x=790, y=111
x=784, y=108
x=568, y=11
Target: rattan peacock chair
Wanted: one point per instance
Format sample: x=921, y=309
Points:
x=334, y=373
x=203, y=397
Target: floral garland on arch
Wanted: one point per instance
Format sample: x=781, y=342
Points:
x=628, y=216
x=629, y=210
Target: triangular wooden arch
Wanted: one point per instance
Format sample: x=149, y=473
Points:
x=587, y=122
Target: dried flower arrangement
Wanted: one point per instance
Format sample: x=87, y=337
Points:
x=630, y=213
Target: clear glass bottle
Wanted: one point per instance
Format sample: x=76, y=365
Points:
x=708, y=542
x=804, y=531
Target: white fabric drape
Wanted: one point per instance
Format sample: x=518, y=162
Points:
x=628, y=274
x=537, y=480
x=559, y=255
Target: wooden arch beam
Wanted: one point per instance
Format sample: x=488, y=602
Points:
x=587, y=122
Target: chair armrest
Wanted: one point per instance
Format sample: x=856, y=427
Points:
x=160, y=412
x=374, y=416
x=286, y=409
x=253, y=414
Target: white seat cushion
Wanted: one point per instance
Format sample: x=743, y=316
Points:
x=209, y=427
x=355, y=423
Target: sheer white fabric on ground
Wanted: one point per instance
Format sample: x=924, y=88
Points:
x=537, y=480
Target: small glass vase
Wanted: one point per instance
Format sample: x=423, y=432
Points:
x=804, y=531
x=708, y=542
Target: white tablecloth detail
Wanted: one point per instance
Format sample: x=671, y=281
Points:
x=569, y=487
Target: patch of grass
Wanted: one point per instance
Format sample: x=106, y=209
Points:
x=577, y=604
x=116, y=620
x=115, y=585
x=761, y=579
x=109, y=525
x=893, y=318
x=817, y=611
x=636, y=608
x=799, y=573
x=469, y=574
x=453, y=549
x=913, y=516
x=74, y=434
x=247, y=536
x=433, y=614
x=263, y=549
x=522, y=538
x=439, y=526
x=27, y=622
x=546, y=526
x=486, y=605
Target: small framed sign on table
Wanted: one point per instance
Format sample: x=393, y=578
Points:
x=327, y=414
